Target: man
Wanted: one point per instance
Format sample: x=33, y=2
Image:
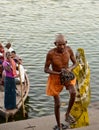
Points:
x=57, y=60
x=8, y=46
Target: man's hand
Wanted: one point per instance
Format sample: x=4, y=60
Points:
x=66, y=76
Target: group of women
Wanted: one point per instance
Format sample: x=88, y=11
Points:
x=9, y=63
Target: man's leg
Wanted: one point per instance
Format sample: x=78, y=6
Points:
x=57, y=109
x=72, y=92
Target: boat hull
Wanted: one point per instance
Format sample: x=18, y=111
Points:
x=20, y=99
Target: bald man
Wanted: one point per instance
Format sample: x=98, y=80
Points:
x=57, y=59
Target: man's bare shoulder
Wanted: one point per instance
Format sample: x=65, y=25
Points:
x=68, y=48
x=51, y=52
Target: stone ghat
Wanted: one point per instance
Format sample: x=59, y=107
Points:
x=48, y=122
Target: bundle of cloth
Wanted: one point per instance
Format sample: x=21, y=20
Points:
x=66, y=76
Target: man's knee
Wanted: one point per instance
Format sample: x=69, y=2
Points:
x=72, y=91
x=57, y=105
x=73, y=94
x=56, y=102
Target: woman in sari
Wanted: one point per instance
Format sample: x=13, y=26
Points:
x=9, y=82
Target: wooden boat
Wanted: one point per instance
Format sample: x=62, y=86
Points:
x=22, y=93
x=83, y=91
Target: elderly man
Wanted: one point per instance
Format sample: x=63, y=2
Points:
x=57, y=61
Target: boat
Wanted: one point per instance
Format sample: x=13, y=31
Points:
x=21, y=95
x=83, y=91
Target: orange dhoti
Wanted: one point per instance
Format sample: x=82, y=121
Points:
x=54, y=86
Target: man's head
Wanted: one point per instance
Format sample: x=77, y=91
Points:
x=8, y=45
x=60, y=43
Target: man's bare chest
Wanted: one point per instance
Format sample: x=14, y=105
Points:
x=61, y=58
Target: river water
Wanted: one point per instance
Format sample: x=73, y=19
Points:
x=31, y=26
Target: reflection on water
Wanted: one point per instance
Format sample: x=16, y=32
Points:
x=31, y=26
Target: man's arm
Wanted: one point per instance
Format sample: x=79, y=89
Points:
x=48, y=62
x=73, y=59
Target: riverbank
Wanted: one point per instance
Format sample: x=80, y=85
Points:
x=47, y=122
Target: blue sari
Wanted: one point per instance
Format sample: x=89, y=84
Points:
x=10, y=93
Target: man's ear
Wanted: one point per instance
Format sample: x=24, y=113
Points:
x=55, y=43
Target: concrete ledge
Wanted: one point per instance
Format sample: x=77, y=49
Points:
x=48, y=122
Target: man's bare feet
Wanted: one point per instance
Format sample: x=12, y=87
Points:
x=69, y=118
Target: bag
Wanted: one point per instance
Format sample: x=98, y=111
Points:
x=66, y=76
